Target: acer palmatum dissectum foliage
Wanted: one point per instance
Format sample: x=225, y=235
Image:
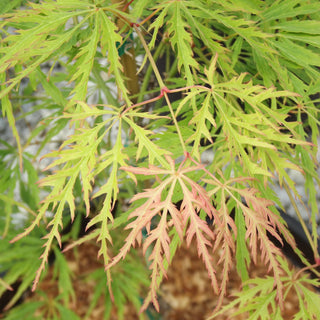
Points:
x=186, y=217
x=185, y=221
x=260, y=220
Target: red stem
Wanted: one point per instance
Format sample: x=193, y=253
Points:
x=127, y=5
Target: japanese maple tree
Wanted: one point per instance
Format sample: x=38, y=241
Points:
x=147, y=89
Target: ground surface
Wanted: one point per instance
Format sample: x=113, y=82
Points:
x=186, y=294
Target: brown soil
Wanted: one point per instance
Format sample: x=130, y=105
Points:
x=185, y=294
x=188, y=294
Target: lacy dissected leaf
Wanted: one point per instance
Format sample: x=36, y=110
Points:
x=181, y=40
x=31, y=46
x=226, y=233
x=236, y=64
x=200, y=230
x=84, y=63
x=194, y=200
x=144, y=214
x=110, y=39
x=258, y=126
x=260, y=220
x=310, y=303
x=110, y=189
x=299, y=54
x=243, y=27
x=78, y=155
x=292, y=55
x=200, y=119
x=142, y=137
x=194, y=15
x=257, y=299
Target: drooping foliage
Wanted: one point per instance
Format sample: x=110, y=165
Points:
x=234, y=79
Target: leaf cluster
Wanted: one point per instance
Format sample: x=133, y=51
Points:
x=238, y=81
